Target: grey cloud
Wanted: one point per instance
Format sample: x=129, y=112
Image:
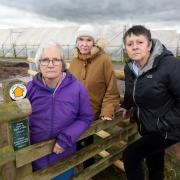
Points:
x=101, y=11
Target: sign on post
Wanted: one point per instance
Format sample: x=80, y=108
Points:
x=18, y=91
x=20, y=134
x=19, y=129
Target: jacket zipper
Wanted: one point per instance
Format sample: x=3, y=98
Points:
x=52, y=119
x=166, y=135
x=53, y=107
x=52, y=115
x=138, y=110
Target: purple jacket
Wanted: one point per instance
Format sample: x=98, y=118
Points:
x=63, y=115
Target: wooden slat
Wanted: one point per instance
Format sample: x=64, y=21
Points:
x=31, y=60
x=100, y=165
x=8, y=171
x=6, y=157
x=103, y=134
x=119, y=74
x=31, y=72
x=23, y=171
x=35, y=151
x=101, y=125
x=121, y=99
x=46, y=147
x=104, y=154
x=75, y=159
x=118, y=163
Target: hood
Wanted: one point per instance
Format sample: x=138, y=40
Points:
x=157, y=52
x=97, y=49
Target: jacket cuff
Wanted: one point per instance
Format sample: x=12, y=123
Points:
x=64, y=141
x=107, y=114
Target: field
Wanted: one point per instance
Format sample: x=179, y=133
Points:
x=10, y=70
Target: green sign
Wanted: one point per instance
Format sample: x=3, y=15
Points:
x=20, y=134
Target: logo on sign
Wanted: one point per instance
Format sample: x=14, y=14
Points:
x=18, y=91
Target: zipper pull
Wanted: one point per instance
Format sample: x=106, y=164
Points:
x=85, y=64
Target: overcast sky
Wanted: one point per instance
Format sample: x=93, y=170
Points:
x=37, y=13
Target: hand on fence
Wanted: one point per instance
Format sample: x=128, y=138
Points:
x=106, y=118
x=124, y=111
x=57, y=149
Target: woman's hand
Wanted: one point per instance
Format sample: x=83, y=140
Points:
x=123, y=110
x=106, y=118
x=57, y=149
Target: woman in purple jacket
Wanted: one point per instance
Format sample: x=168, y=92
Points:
x=60, y=106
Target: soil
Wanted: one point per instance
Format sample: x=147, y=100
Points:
x=10, y=70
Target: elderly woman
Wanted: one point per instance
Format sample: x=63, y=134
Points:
x=60, y=106
x=153, y=88
x=92, y=66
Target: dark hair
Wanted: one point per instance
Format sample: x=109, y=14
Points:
x=137, y=30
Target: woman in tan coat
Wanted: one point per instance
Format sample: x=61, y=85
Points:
x=92, y=66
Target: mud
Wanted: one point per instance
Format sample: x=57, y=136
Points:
x=11, y=70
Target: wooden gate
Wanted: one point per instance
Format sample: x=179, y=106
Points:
x=15, y=161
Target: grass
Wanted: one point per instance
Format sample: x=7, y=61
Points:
x=9, y=63
x=178, y=57
x=117, y=62
x=172, y=167
x=2, y=57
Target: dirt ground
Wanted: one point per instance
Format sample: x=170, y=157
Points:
x=10, y=70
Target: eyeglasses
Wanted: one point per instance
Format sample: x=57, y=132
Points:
x=46, y=61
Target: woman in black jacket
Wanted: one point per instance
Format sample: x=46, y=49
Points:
x=152, y=82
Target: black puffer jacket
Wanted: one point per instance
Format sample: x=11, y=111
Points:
x=155, y=93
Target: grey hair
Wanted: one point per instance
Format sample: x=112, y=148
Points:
x=44, y=46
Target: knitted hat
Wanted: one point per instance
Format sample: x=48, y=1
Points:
x=86, y=30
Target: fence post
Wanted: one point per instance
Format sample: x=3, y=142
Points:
x=26, y=49
x=68, y=52
x=9, y=171
x=14, y=50
x=3, y=53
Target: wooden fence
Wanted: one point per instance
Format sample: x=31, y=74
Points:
x=112, y=138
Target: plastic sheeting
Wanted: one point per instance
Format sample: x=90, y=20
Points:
x=24, y=42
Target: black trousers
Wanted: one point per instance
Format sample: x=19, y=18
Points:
x=83, y=143
x=150, y=148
